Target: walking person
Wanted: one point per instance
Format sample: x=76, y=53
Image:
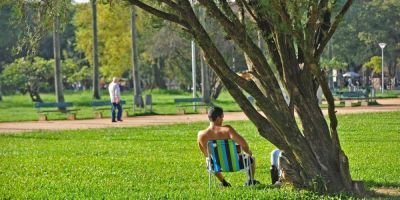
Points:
x=115, y=96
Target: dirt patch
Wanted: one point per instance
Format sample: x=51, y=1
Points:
x=392, y=193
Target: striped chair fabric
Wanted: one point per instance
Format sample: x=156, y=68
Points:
x=224, y=155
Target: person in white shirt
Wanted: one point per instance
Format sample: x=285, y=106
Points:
x=275, y=166
x=115, y=96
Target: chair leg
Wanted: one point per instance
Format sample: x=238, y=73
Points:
x=209, y=180
x=248, y=169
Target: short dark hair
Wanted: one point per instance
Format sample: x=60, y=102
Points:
x=214, y=113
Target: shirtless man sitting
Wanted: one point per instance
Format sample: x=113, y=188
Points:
x=217, y=131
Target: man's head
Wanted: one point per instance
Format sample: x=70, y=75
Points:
x=115, y=79
x=215, y=114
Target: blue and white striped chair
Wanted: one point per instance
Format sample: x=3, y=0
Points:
x=225, y=156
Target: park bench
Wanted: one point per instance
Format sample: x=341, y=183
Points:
x=100, y=106
x=350, y=97
x=182, y=104
x=44, y=108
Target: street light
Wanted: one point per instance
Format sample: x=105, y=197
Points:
x=193, y=46
x=382, y=45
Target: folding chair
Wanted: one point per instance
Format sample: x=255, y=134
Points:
x=223, y=156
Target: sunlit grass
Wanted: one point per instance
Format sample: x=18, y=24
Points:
x=21, y=108
x=164, y=162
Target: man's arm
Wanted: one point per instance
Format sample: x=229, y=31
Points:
x=239, y=140
x=200, y=142
x=117, y=93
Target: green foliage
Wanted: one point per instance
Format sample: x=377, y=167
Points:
x=36, y=18
x=375, y=63
x=114, y=37
x=8, y=35
x=163, y=162
x=334, y=63
x=26, y=74
x=365, y=25
x=74, y=72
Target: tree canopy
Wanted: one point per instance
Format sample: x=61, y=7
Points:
x=367, y=24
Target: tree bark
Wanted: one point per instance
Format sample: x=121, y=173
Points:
x=216, y=89
x=34, y=94
x=1, y=94
x=138, y=100
x=96, y=85
x=158, y=67
x=205, y=84
x=57, y=59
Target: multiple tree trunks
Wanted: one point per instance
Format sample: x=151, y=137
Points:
x=295, y=45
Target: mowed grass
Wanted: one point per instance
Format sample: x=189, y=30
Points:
x=21, y=108
x=163, y=162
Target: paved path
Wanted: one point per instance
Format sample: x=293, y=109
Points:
x=16, y=127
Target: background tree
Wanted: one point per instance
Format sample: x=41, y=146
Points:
x=366, y=24
x=96, y=85
x=38, y=17
x=27, y=76
x=296, y=33
x=77, y=74
x=57, y=60
x=374, y=64
x=114, y=37
x=138, y=100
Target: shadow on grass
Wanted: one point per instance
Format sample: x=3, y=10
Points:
x=386, y=190
x=373, y=184
x=389, y=190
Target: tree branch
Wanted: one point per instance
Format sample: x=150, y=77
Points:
x=286, y=19
x=247, y=6
x=228, y=11
x=332, y=29
x=241, y=37
x=161, y=14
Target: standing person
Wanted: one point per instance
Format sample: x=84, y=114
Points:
x=275, y=168
x=115, y=96
x=217, y=131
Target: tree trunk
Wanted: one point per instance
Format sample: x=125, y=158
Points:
x=96, y=85
x=205, y=83
x=1, y=94
x=313, y=153
x=158, y=67
x=138, y=100
x=57, y=60
x=34, y=94
x=216, y=88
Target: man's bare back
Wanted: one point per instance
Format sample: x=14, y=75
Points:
x=216, y=132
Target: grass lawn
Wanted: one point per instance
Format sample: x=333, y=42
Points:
x=163, y=162
x=21, y=108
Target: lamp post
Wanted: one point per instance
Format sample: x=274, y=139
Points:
x=193, y=47
x=382, y=45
